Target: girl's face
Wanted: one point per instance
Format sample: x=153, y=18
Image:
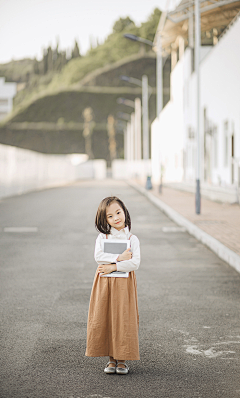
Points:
x=115, y=216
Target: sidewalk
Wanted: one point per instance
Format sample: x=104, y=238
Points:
x=219, y=220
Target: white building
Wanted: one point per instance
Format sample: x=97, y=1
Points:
x=7, y=92
x=174, y=132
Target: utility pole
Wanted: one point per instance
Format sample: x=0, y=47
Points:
x=87, y=131
x=197, y=61
x=159, y=75
x=111, y=137
x=132, y=134
x=145, y=117
x=138, y=116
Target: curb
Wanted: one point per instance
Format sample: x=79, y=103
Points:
x=229, y=256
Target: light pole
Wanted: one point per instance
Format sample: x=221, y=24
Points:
x=136, y=105
x=128, y=147
x=145, y=96
x=159, y=65
x=159, y=82
x=146, y=92
x=159, y=75
x=145, y=117
x=197, y=47
x=139, y=39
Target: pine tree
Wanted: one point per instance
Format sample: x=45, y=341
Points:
x=45, y=61
x=49, y=59
x=76, y=51
x=36, y=67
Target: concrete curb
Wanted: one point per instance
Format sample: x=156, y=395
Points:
x=217, y=247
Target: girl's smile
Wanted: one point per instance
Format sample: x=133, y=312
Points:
x=115, y=216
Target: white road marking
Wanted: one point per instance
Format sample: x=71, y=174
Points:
x=211, y=352
x=192, y=349
x=20, y=229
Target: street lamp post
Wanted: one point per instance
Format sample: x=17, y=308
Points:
x=138, y=117
x=159, y=65
x=159, y=104
x=197, y=48
x=146, y=90
x=136, y=105
x=145, y=117
x=159, y=75
x=128, y=147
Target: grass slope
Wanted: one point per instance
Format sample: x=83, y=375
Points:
x=63, y=96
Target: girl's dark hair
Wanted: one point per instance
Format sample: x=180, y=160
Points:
x=101, y=223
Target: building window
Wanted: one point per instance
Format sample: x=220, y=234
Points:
x=3, y=101
x=225, y=147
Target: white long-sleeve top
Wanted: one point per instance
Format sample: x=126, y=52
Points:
x=106, y=258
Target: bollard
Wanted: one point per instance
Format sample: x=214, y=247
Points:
x=148, y=183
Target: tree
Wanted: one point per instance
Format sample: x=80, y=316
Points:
x=121, y=24
x=49, y=59
x=148, y=29
x=45, y=61
x=76, y=51
x=36, y=67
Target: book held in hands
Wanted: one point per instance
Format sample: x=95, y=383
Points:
x=115, y=246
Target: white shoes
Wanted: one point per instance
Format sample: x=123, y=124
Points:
x=122, y=371
x=116, y=369
x=110, y=369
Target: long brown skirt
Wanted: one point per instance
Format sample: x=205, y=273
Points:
x=113, y=319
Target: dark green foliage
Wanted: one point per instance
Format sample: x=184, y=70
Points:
x=17, y=71
x=70, y=105
x=121, y=24
x=76, y=51
x=148, y=29
x=36, y=69
x=44, y=141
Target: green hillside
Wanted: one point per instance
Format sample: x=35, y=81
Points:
x=49, y=117
x=47, y=76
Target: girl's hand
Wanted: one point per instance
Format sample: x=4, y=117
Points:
x=104, y=269
x=126, y=255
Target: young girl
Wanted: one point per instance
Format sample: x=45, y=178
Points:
x=113, y=319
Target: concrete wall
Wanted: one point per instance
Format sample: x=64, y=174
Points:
x=23, y=170
x=124, y=169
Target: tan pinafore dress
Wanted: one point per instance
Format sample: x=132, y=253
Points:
x=113, y=320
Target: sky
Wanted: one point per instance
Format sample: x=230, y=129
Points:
x=28, y=26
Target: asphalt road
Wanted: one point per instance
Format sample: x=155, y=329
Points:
x=188, y=303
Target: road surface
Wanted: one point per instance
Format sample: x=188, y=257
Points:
x=188, y=302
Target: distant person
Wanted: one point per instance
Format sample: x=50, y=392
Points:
x=113, y=319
